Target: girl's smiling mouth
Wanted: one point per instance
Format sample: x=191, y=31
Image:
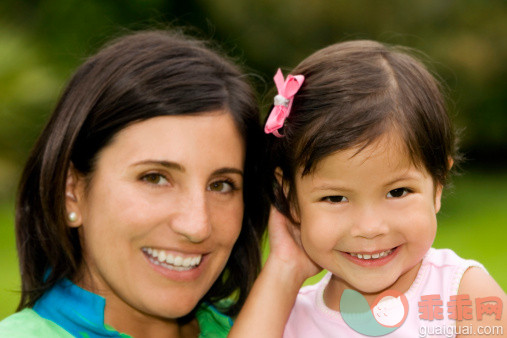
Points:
x=372, y=255
x=373, y=258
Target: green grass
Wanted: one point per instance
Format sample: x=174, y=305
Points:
x=9, y=272
x=472, y=222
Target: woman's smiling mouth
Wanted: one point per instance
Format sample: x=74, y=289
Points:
x=172, y=260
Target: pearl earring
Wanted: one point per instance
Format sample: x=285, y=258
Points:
x=72, y=216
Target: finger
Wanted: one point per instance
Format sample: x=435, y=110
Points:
x=281, y=227
x=277, y=221
x=296, y=234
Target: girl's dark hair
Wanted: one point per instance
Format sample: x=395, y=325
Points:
x=134, y=78
x=353, y=93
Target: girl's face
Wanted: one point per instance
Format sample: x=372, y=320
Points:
x=161, y=214
x=369, y=217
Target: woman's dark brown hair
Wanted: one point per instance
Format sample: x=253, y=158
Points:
x=353, y=93
x=134, y=78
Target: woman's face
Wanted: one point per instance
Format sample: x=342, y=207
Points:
x=161, y=213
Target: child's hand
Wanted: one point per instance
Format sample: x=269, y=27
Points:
x=286, y=250
x=275, y=290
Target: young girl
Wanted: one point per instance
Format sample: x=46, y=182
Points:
x=361, y=150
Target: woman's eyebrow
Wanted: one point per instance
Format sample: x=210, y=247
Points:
x=179, y=167
x=228, y=170
x=167, y=164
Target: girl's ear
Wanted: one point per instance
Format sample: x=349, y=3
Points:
x=451, y=162
x=279, y=179
x=284, y=184
x=438, y=197
x=439, y=188
x=74, y=189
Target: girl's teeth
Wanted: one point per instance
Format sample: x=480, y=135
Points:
x=372, y=256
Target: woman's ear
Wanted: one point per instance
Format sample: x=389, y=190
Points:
x=73, y=194
x=284, y=184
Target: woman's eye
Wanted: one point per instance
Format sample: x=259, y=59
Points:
x=335, y=199
x=397, y=193
x=155, y=178
x=221, y=186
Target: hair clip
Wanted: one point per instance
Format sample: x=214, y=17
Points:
x=283, y=101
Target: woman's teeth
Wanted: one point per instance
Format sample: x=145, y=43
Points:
x=372, y=256
x=171, y=260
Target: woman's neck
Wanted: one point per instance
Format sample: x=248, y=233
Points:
x=126, y=319
x=138, y=324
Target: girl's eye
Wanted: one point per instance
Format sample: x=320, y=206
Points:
x=335, y=199
x=155, y=178
x=221, y=186
x=397, y=193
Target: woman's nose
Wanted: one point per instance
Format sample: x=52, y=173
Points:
x=369, y=223
x=192, y=220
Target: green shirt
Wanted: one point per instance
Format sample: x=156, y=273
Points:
x=69, y=311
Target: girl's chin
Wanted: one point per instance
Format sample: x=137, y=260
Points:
x=366, y=287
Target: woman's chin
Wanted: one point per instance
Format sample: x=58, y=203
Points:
x=174, y=310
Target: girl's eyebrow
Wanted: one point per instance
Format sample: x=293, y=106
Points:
x=167, y=164
x=405, y=177
x=410, y=176
x=327, y=186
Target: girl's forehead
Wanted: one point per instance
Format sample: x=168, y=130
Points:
x=375, y=167
x=389, y=149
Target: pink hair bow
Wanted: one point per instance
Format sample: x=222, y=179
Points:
x=283, y=101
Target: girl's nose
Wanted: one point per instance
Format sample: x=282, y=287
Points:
x=193, y=221
x=369, y=223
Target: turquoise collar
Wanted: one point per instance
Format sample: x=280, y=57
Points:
x=76, y=310
x=81, y=313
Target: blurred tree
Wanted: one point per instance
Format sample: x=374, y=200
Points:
x=466, y=42
x=42, y=41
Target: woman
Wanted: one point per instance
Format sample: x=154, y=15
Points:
x=139, y=208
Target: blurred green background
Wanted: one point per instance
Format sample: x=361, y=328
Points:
x=41, y=43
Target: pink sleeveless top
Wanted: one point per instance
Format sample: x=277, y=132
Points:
x=440, y=274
